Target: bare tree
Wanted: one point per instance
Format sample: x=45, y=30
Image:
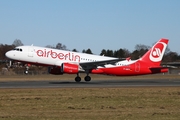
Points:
x=127, y=53
x=88, y=51
x=139, y=51
x=60, y=46
x=139, y=47
x=17, y=42
x=74, y=50
x=103, y=52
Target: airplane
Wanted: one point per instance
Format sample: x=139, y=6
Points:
x=61, y=61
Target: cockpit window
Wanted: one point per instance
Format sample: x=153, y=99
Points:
x=18, y=49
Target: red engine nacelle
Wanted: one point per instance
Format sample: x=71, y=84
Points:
x=70, y=68
x=55, y=70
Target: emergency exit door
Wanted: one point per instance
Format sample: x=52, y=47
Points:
x=137, y=67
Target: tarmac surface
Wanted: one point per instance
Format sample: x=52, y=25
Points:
x=91, y=84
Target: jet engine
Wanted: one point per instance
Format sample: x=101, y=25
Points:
x=70, y=68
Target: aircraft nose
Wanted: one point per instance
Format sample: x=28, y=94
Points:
x=8, y=54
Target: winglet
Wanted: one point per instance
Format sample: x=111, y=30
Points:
x=128, y=59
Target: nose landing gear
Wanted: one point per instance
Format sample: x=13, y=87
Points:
x=27, y=70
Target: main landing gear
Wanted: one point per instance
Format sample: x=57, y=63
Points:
x=86, y=78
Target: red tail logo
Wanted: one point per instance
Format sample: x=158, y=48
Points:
x=157, y=52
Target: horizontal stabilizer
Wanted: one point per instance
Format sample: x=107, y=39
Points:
x=158, y=69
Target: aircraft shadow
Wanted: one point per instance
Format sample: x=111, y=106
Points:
x=108, y=82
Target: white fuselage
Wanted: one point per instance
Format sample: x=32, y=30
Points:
x=54, y=57
x=61, y=61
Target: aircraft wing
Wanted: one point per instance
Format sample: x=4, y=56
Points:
x=94, y=64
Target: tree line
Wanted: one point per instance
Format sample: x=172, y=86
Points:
x=140, y=50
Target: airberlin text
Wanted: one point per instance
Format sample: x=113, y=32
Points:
x=58, y=55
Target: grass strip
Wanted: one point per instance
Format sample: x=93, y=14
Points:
x=137, y=103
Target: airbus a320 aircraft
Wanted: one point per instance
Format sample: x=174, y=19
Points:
x=60, y=61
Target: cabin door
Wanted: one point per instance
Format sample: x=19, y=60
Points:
x=137, y=67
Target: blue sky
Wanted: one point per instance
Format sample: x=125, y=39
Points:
x=94, y=24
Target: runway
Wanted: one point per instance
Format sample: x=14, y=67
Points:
x=91, y=84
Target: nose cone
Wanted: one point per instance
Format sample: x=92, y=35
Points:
x=8, y=54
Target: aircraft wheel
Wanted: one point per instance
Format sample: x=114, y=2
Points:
x=87, y=78
x=26, y=72
x=78, y=79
